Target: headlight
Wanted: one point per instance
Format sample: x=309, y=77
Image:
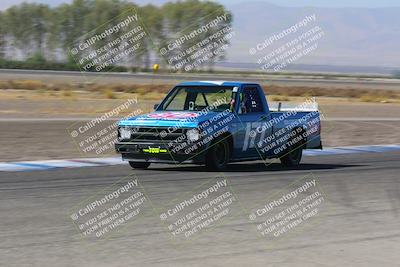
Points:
x=193, y=135
x=124, y=133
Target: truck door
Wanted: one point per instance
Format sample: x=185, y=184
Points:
x=252, y=113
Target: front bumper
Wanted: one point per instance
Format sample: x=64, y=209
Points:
x=159, y=152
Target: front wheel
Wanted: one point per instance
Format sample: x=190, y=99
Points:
x=139, y=165
x=218, y=155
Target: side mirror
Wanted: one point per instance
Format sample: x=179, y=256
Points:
x=156, y=106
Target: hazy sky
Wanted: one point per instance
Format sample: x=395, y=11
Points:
x=327, y=3
x=318, y=3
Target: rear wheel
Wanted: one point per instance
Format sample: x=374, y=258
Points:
x=139, y=165
x=293, y=157
x=218, y=155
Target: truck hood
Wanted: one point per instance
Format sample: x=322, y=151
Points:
x=182, y=119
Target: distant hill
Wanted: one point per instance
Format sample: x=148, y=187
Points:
x=354, y=36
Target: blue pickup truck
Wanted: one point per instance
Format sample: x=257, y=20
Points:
x=214, y=123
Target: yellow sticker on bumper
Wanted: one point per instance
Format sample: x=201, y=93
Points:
x=154, y=150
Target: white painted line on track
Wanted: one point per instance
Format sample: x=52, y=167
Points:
x=93, y=162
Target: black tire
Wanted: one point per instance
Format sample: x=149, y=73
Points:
x=218, y=155
x=139, y=165
x=292, y=157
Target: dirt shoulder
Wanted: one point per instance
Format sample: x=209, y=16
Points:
x=45, y=104
x=34, y=140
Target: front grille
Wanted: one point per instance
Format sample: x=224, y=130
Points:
x=155, y=134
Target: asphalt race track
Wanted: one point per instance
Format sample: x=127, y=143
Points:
x=360, y=222
x=47, y=76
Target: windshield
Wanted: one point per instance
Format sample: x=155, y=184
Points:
x=197, y=98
